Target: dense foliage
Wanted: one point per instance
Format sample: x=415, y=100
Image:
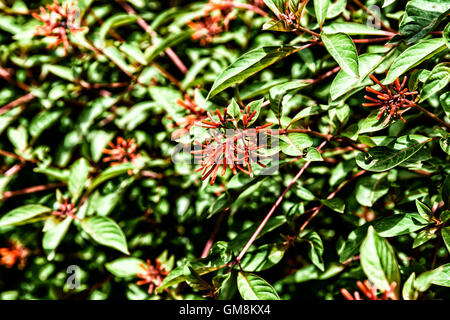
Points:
x=227, y=149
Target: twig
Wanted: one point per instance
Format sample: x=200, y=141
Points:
x=14, y=156
x=9, y=194
x=7, y=76
x=144, y=25
x=272, y=210
x=13, y=104
x=213, y=235
x=433, y=116
x=330, y=196
x=374, y=16
x=372, y=40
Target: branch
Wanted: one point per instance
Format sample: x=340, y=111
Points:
x=277, y=203
x=13, y=104
x=9, y=194
x=330, y=196
x=433, y=116
x=144, y=25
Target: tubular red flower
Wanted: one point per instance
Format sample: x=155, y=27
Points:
x=153, y=275
x=370, y=292
x=230, y=147
x=393, y=99
x=123, y=151
x=58, y=21
x=14, y=253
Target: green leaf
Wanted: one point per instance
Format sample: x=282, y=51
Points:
x=218, y=258
x=352, y=28
x=262, y=258
x=277, y=6
x=113, y=22
x=106, y=232
x=125, y=267
x=424, y=236
x=42, y=121
x=439, y=276
x=445, y=144
x=321, y=9
x=436, y=81
x=445, y=191
x=311, y=154
x=23, y=214
x=18, y=137
x=335, y=204
x=99, y=140
x=370, y=189
x=424, y=211
x=134, y=53
x=445, y=232
x=255, y=106
x=344, y=84
x=54, y=235
x=382, y=158
x=63, y=72
x=378, y=261
x=279, y=92
x=79, y=172
x=59, y=174
x=253, y=287
x=113, y=54
x=409, y=292
x=234, y=110
x=421, y=17
x=166, y=98
x=294, y=143
x=237, y=243
x=394, y=225
x=316, y=248
x=111, y=173
x=343, y=50
x=248, y=64
x=168, y=42
x=446, y=35
x=413, y=56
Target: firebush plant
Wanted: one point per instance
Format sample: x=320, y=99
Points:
x=227, y=149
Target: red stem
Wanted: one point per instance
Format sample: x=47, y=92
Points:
x=9, y=194
x=13, y=104
x=144, y=25
x=213, y=235
x=277, y=203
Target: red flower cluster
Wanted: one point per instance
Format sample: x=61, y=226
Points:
x=57, y=22
x=196, y=114
x=391, y=99
x=121, y=152
x=216, y=18
x=14, y=253
x=207, y=29
x=153, y=275
x=230, y=146
x=65, y=209
x=370, y=292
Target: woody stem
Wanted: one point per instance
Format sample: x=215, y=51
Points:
x=330, y=196
x=433, y=116
x=272, y=210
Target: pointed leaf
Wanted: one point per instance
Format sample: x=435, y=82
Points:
x=253, y=287
x=378, y=261
x=343, y=50
x=247, y=65
x=23, y=214
x=106, y=232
